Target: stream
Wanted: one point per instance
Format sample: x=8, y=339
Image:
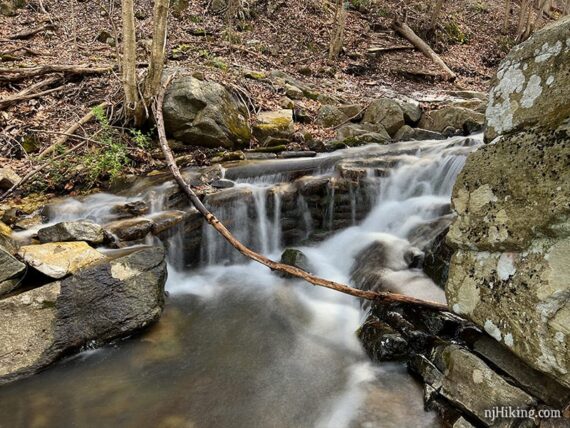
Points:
x=240, y=346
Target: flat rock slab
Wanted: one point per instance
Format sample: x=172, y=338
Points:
x=98, y=304
x=59, y=259
x=131, y=229
x=72, y=231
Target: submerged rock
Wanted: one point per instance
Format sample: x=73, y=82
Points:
x=206, y=114
x=83, y=230
x=60, y=259
x=96, y=305
x=296, y=258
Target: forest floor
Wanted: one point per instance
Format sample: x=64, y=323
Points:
x=288, y=36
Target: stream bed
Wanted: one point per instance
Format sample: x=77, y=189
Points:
x=240, y=346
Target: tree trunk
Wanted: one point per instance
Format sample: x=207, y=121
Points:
x=337, y=38
x=158, y=52
x=507, y=15
x=129, y=62
x=567, y=8
x=409, y=34
x=221, y=229
x=435, y=14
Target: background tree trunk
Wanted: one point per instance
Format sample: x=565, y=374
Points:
x=435, y=13
x=158, y=52
x=129, y=60
x=507, y=15
x=337, y=38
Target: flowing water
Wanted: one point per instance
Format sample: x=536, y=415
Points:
x=239, y=346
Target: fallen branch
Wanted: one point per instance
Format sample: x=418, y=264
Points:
x=16, y=74
x=380, y=51
x=404, y=30
x=29, y=92
x=221, y=229
x=71, y=130
x=29, y=33
x=350, y=119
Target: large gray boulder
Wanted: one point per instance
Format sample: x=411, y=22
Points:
x=464, y=120
x=532, y=87
x=205, y=114
x=510, y=272
x=386, y=112
x=96, y=305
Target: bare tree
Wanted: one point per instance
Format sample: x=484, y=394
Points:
x=435, y=13
x=339, y=23
x=129, y=59
x=507, y=15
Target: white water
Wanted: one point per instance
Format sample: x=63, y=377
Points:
x=241, y=346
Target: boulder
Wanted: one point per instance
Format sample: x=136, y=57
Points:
x=352, y=111
x=8, y=178
x=468, y=383
x=412, y=111
x=330, y=116
x=509, y=273
x=166, y=220
x=10, y=273
x=407, y=133
x=386, y=112
x=206, y=114
x=274, y=124
x=131, y=229
x=83, y=230
x=96, y=305
x=293, y=92
x=459, y=118
x=59, y=259
x=532, y=86
x=296, y=258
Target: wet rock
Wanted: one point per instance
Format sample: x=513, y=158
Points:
x=130, y=209
x=223, y=183
x=130, y=229
x=330, y=116
x=259, y=156
x=532, y=87
x=355, y=130
x=465, y=120
x=206, y=114
x=298, y=154
x=100, y=303
x=8, y=178
x=469, y=383
x=60, y=259
x=407, y=133
x=296, y=258
x=276, y=124
x=166, y=220
x=83, y=230
x=29, y=221
x=382, y=342
x=386, y=112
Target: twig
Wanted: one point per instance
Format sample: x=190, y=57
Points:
x=71, y=130
x=38, y=169
x=25, y=93
x=221, y=229
x=29, y=33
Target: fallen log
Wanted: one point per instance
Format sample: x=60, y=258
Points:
x=11, y=74
x=404, y=30
x=378, y=297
